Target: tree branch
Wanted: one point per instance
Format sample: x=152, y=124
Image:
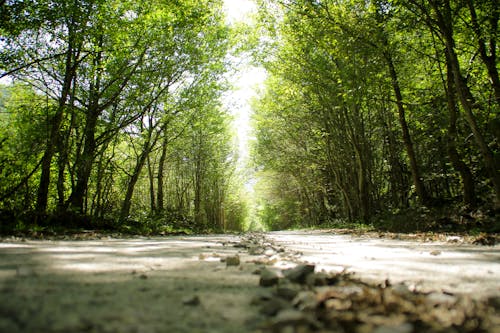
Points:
x=34, y=62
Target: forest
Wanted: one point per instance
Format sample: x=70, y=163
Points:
x=111, y=115
x=114, y=115
x=379, y=111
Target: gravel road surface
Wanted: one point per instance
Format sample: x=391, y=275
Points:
x=450, y=265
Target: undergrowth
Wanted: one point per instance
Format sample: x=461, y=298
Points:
x=33, y=224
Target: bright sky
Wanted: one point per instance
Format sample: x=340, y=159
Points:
x=238, y=10
x=246, y=81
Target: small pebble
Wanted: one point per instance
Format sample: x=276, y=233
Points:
x=268, y=278
x=299, y=273
x=269, y=252
x=233, y=260
x=191, y=300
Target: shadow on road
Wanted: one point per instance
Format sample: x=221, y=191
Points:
x=141, y=285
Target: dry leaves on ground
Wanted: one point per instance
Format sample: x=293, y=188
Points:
x=340, y=303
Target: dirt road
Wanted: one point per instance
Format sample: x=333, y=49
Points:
x=184, y=284
x=124, y=285
x=449, y=265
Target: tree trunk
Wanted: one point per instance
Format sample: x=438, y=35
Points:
x=63, y=147
x=468, y=187
x=96, y=208
x=198, y=178
x=160, y=206
x=62, y=161
x=490, y=61
x=84, y=164
x=43, y=188
x=357, y=143
x=415, y=172
x=398, y=169
x=141, y=161
x=197, y=193
x=127, y=202
x=55, y=125
x=151, y=185
x=444, y=21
